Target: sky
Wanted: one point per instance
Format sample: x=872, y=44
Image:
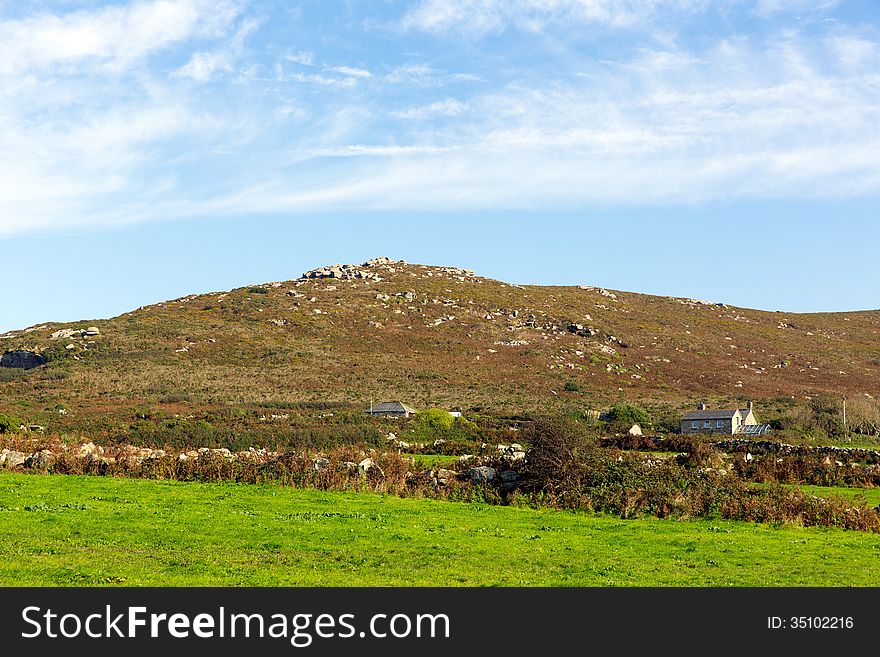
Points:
x=726, y=150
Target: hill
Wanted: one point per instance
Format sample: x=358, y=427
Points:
x=430, y=336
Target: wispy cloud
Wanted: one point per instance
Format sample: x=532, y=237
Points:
x=349, y=71
x=304, y=57
x=733, y=122
x=203, y=65
x=448, y=107
x=114, y=37
x=854, y=52
x=771, y=7
x=480, y=17
x=485, y=16
x=113, y=122
x=325, y=80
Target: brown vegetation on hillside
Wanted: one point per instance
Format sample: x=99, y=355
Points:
x=430, y=336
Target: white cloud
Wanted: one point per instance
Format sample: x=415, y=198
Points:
x=84, y=117
x=349, y=71
x=427, y=76
x=377, y=150
x=324, y=80
x=114, y=37
x=771, y=7
x=733, y=122
x=304, y=57
x=448, y=107
x=103, y=137
x=480, y=17
x=418, y=73
x=202, y=65
x=852, y=51
x=486, y=16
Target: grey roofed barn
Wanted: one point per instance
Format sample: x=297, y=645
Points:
x=711, y=415
x=393, y=409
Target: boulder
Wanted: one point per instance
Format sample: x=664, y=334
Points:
x=321, y=463
x=444, y=476
x=25, y=360
x=11, y=458
x=376, y=262
x=92, y=330
x=635, y=430
x=39, y=460
x=66, y=333
x=369, y=469
x=481, y=475
x=509, y=476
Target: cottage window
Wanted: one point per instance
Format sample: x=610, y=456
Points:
x=695, y=425
x=707, y=424
x=719, y=424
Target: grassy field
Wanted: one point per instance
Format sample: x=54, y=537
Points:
x=871, y=495
x=67, y=530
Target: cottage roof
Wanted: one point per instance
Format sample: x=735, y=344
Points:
x=755, y=430
x=712, y=415
x=392, y=407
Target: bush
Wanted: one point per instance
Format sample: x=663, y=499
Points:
x=9, y=423
x=572, y=386
x=433, y=419
x=863, y=416
x=827, y=415
x=562, y=453
x=628, y=414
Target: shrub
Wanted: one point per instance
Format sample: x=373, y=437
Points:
x=827, y=415
x=433, y=419
x=9, y=423
x=572, y=386
x=628, y=414
x=562, y=453
x=863, y=416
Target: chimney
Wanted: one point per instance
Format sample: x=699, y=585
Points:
x=701, y=407
x=749, y=406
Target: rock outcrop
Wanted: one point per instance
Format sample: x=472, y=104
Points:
x=25, y=360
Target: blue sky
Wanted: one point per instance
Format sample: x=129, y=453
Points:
x=727, y=150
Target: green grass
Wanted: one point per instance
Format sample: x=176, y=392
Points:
x=57, y=530
x=871, y=495
x=434, y=460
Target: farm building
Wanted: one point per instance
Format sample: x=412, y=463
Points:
x=731, y=422
x=391, y=409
